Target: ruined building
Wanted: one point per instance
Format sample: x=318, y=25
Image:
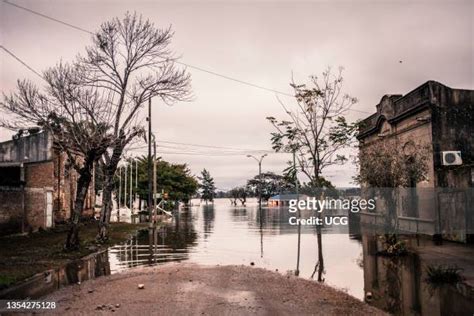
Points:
x=442, y=119
x=37, y=186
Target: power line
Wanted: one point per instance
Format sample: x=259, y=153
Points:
x=48, y=17
x=206, y=150
x=192, y=153
x=208, y=146
x=178, y=62
x=234, y=79
x=21, y=61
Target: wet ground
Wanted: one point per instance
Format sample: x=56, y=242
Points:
x=187, y=289
x=221, y=234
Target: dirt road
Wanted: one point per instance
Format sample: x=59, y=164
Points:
x=186, y=289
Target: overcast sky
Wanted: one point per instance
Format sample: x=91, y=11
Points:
x=263, y=43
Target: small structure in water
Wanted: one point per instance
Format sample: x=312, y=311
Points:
x=284, y=199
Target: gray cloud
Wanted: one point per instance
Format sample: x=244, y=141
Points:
x=264, y=43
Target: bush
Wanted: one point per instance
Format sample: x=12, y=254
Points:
x=392, y=245
x=441, y=274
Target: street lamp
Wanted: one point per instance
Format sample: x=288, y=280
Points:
x=259, y=176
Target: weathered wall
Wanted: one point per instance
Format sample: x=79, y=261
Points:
x=32, y=148
x=453, y=118
x=38, y=180
x=40, y=177
x=442, y=118
x=10, y=216
x=35, y=208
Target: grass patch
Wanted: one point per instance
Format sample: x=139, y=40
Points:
x=24, y=256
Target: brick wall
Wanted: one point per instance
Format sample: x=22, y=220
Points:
x=52, y=175
x=10, y=217
x=39, y=179
x=39, y=175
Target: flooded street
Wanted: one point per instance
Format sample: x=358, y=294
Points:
x=231, y=235
x=219, y=234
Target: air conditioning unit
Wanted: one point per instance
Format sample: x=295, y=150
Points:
x=451, y=158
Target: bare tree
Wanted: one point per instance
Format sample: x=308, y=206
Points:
x=75, y=118
x=317, y=129
x=131, y=60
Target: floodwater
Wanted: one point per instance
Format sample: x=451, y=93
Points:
x=223, y=234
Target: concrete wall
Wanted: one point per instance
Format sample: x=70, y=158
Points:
x=32, y=148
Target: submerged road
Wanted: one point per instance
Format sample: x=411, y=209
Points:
x=189, y=289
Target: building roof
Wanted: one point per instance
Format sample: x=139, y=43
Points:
x=287, y=197
x=394, y=108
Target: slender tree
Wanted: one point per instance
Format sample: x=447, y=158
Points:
x=207, y=187
x=316, y=132
x=317, y=128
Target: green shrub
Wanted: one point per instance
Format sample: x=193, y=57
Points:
x=443, y=274
x=392, y=246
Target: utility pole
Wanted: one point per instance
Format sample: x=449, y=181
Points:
x=150, y=208
x=120, y=187
x=131, y=186
x=125, y=187
x=154, y=179
x=120, y=194
x=259, y=177
x=136, y=184
x=297, y=271
x=136, y=173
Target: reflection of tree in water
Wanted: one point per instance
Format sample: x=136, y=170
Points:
x=319, y=266
x=173, y=238
x=263, y=219
x=239, y=214
x=180, y=234
x=208, y=216
x=84, y=269
x=272, y=220
x=393, y=285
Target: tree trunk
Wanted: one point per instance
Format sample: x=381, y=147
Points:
x=85, y=177
x=320, y=255
x=106, y=209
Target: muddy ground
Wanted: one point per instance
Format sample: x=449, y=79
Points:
x=22, y=256
x=187, y=289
